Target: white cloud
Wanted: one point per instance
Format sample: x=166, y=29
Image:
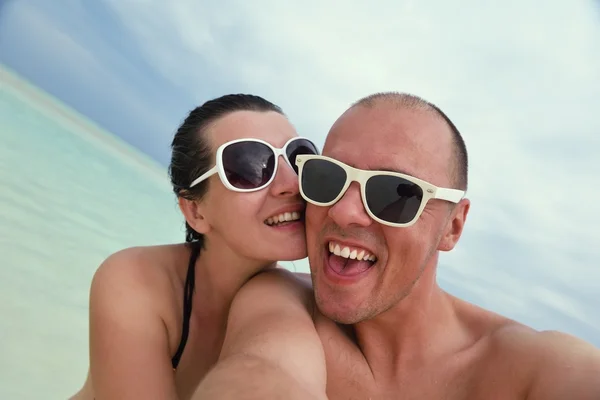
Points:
x=521, y=81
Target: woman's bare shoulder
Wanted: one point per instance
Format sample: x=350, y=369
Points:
x=150, y=276
x=143, y=281
x=147, y=265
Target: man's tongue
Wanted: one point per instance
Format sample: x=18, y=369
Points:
x=348, y=267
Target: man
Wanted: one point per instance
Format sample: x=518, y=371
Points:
x=377, y=325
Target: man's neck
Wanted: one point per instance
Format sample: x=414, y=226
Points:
x=418, y=330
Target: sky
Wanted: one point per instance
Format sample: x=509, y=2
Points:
x=521, y=82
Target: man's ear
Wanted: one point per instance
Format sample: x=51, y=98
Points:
x=455, y=225
x=193, y=211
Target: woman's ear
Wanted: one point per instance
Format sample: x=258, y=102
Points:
x=193, y=211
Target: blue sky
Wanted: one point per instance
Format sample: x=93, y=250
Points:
x=521, y=81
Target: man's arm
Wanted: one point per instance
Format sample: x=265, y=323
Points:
x=271, y=348
x=570, y=369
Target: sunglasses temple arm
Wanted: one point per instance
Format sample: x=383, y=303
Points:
x=204, y=176
x=453, y=195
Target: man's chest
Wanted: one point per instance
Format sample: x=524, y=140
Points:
x=353, y=384
x=471, y=376
x=358, y=383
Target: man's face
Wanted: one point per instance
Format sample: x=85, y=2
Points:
x=414, y=142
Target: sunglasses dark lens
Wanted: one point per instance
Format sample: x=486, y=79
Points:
x=299, y=146
x=393, y=199
x=248, y=165
x=322, y=181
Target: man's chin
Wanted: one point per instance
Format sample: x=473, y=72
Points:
x=338, y=310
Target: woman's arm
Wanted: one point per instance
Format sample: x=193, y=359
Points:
x=129, y=345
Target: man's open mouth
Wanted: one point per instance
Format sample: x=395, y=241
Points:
x=349, y=260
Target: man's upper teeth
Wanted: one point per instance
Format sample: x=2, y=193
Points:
x=353, y=254
x=287, y=216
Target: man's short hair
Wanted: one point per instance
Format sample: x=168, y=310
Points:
x=405, y=100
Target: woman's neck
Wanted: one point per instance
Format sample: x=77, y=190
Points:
x=220, y=273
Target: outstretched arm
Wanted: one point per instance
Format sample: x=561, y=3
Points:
x=271, y=349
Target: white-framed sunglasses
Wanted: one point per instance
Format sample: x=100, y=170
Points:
x=390, y=198
x=248, y=165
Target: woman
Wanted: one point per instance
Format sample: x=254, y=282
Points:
x=158, y=314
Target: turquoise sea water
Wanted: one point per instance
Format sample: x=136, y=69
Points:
x=70, y=195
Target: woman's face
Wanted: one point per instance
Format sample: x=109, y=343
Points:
x=244, y=223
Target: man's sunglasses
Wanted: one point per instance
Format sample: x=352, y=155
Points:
x=247, y=165
x=390, y=198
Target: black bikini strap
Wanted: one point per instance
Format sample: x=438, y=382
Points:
x=188, y=293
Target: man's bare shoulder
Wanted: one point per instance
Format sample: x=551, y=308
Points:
x=281, y=285
x=541, y=345
x=270, y=276
x=512, y=358
x=566, y=367
x=305, y=278
x=556, y=364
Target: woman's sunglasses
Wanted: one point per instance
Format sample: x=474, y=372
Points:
x=247, y=165
x=390, y=198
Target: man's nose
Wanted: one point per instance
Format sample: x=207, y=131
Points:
x=350, y=210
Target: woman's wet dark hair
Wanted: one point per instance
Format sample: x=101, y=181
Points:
x=191, y=150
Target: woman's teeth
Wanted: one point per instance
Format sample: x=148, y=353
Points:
x=351, y=253
x=283, y=217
